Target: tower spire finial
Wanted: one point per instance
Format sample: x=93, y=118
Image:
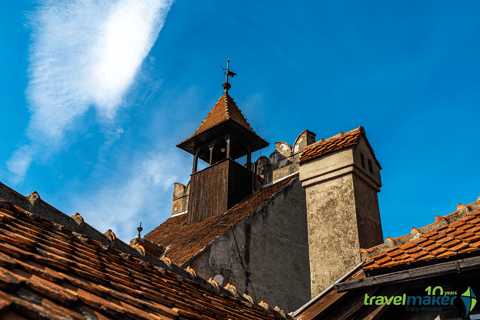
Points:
x=228, y=73
x=139, y=229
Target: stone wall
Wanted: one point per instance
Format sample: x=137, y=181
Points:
x=265, y=254
x=284, y=160
x=180, y=198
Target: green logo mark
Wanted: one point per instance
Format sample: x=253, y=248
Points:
x=469, y=299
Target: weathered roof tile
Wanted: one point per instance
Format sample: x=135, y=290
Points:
x=54, y=274
x=461, y=236
x=332, y=144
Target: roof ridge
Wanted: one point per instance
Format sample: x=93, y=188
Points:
x=338, y=135
x=227, y=112
x=440, y=221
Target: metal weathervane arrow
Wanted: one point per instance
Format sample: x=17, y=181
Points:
x=227, y=72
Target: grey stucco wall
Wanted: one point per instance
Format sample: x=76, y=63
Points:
x=368, y=214
x=332, y=231
x=273, y=245
x=367, y=185
x=342, y=210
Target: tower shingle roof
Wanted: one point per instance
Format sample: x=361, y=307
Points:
x=225, y=109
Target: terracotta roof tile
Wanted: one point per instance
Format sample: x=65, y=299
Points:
x=225, y=109
x=430, y=234
x=413, y=250
x=418, y=241
x=436, y=237
x=474, y=230
x=426, y=243
x=438, y=251
x=447, y=230
x=467, y=218
x=457, y=224
x=407, y=246
x=401, y=257
x=416, y=255
x=461, y=236
x=475, y=244
x=456, y=233
x=332, y=144
x=395, y=253
x=472, y=239
x=451, y=243
x=185, y=241
x=467, y=250
x=475, y=221
x=47, y=273
x=465, y=236
x=431, y=247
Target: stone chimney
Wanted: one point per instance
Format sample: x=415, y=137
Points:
x=341, y=177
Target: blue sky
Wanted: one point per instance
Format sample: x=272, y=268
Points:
x=95, y=95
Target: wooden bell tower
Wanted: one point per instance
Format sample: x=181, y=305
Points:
x=224, y=135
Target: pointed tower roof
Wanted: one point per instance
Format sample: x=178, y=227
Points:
x=227, y=121
x=225, y=109
x=225, y=113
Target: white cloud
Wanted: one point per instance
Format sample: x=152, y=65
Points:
x=84, y=53
x=19, y=162
x=143, y=197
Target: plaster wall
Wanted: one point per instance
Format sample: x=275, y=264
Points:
x=342, y=211
x=373, y=179
x=332, y=231
x=272, y=244
x=367, y=185
x=368, y=214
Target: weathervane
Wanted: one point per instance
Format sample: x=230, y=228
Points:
x=227, y=72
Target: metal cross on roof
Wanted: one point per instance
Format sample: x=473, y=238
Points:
x=227, y=72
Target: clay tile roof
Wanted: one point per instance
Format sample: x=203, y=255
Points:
x=225, y=109
x=50, y=272
x=335, y=143
x=183, y=242
x=455, y=234
x=152, y=249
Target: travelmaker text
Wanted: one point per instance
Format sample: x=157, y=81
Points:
x=405, y=300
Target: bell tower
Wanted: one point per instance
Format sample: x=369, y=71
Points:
x=224, y=135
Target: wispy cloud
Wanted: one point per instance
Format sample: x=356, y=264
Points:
x=83, y=54
x=122, y=207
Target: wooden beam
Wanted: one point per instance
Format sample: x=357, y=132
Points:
x=412, y=274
